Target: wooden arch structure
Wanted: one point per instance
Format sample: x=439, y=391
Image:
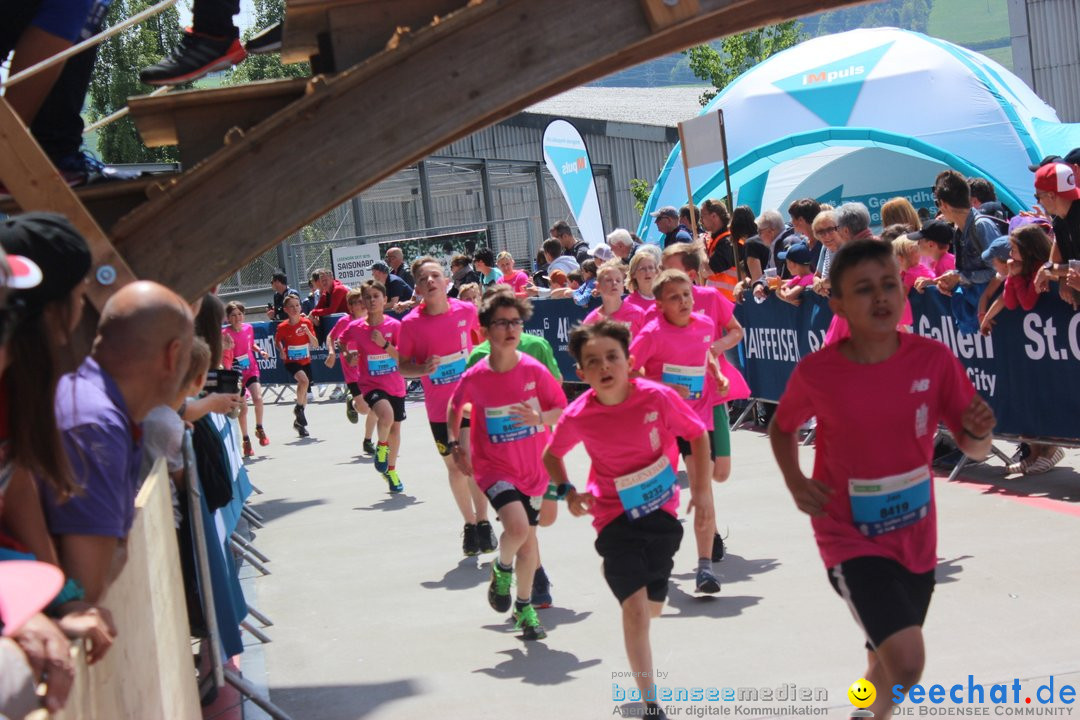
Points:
x=263, y=160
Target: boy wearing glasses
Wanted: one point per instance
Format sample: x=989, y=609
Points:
x=514, y=398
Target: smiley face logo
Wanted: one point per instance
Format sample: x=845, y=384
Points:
x=862, y=693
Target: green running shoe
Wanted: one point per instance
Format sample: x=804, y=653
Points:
x=382, y=455
x=350, y=410
x=499, y=589
x=393, y=481
x=528, y=623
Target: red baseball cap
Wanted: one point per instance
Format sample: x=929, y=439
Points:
x=26, y=586
x=1057, y=178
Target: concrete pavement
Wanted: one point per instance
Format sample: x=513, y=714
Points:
x=379, y=616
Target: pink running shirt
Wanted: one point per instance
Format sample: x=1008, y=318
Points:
x=942, y=266
x=800, y=280
x=628, y=314
x=909, y=276
x=647, y=305
x=518, y=281
x=243, y=350
x=875, y=434
x=680, y=355
x=711, y=302
x=375, y=369
x=625, y=438
x=501, y=449
x=449, y=336
x=351, y=374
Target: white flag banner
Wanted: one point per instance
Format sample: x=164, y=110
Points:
x=567, y=160
x=702, y=142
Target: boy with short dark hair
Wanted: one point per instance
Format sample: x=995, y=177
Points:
x=514, y=398
x=871, y=493
x=629, y=426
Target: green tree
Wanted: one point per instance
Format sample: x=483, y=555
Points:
x=269, y=66
x=640, y=190
x=738, y=53
x=116, y=78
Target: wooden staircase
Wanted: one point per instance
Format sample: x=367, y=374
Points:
x=265, y=159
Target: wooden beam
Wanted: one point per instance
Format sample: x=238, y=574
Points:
x=357, y=29
x=663, y=13
x=198, y=120
x=36, y=185
x=480, y=65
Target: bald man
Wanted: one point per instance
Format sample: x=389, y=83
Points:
x=137, y=362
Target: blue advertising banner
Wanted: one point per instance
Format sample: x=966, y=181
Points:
x=1026, y=369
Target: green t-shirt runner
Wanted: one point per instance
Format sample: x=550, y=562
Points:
x=532, y=345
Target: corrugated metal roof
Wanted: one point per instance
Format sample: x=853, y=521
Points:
x=663, y=106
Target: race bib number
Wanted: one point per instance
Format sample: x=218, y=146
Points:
x=503, y=427
x=451, y=368
x=646, y=490
x=690, y=377
x=381, y=365
x=298, y=352
x=887, y=504
x=243, y=362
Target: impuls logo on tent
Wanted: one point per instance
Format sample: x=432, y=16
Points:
x=830, y=91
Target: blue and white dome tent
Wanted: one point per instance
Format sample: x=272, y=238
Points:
x=868, y=115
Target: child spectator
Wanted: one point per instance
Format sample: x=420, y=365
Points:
x=891, y=232
x=560, y=286
x=799, y=261
x=1029, y=248
x=611, y=282
x=935, y=238
x=512, y=276
x=909, y=257
x=584, y=293
x=629, y=426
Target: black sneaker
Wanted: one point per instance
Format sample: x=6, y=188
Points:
x=369, y=447
x=82, y=168
x=265, y=41
x=298, y=413
x=488, y=542
x=300, y=429
x=195, y=56
x=470, y=540
x=541, y=590
x=717, y=548
x=499, y=588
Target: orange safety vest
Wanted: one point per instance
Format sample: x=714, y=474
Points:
x=723, y=281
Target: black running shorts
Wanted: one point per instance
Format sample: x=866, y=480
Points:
x=292, y=368
x=503, y=493
x=440, y=432
x=397, y=403
x=639, y=554
x=883, y=595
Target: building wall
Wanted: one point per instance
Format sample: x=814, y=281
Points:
x=1046, y=51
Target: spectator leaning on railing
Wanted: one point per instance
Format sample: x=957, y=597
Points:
x=1055, y=189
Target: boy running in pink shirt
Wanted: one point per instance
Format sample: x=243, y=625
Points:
x=242, y=337
x=434, y=345
x=514, y=398
x=611, y=283
x=729, y=333
x=871, y=495
x=370, y=350
x=674, y=349
x=629, y=426
x=354, y=403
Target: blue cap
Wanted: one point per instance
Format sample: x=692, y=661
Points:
x=999, y=250
x=798, y=253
